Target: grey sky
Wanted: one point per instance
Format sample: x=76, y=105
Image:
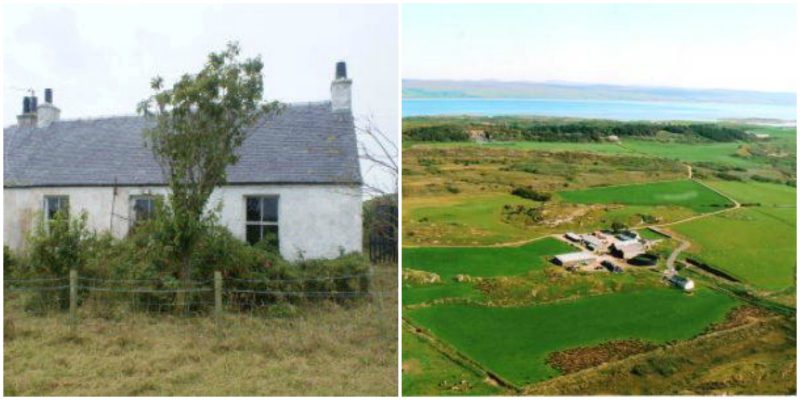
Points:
x=99, y=58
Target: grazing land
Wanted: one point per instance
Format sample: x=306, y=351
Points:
x=686, y=193
x=486, y=208
x=324, y=349
x=652, y=315
x=483, y=261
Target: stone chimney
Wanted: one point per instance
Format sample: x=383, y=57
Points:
x=28, y=116
x=340, y=89
x=47, y=113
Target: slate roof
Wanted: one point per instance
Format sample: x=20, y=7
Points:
x=306, y=143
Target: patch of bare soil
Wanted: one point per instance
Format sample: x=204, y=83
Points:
x=579, y=358
x=741, y=315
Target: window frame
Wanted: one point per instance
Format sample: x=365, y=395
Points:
x=261, y=223
x=132, y=220
x=46, y=204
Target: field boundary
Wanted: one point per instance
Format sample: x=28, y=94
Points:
x=456, y=356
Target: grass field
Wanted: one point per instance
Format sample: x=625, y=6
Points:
x=483, y=261
x=684, y=193
x=529, y=334
x=314, y=350
x=756, y=245
x=768, y=194
x=476, y=218
x=416, y=293
x=427, y=372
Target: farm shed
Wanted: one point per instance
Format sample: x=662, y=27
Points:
x=593, y=242
x=297, y=182
x=627, y=250
x=572, y=236
x=578, y=257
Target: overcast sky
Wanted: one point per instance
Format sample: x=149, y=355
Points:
x=99, y=59
x=734, y=46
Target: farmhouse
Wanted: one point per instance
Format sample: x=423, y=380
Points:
x=297, y=182
x=571, y=259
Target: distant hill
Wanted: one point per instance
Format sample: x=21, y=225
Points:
x=415, y=88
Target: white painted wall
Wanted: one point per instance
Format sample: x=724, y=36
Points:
x=317, y=221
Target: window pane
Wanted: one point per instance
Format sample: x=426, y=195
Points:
x=253, y=209
x=253, y=233
x=271, y=236
x=53, y=204
x=270, y=210
x=143, y=209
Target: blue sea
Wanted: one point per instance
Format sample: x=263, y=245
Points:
x=603, y=109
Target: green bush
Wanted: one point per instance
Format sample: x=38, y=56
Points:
x=531, y=194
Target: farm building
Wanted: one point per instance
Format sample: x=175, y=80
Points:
x=681, y=282
x=571, y=259
x=593, y=242
x=297, y=182
x=760, y=136
x=627, y=251
x=572, y=236
x=612, y=138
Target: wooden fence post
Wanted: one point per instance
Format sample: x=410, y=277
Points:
x=218, y=300
x=73, y=299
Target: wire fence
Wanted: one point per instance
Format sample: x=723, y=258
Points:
x=81, y=299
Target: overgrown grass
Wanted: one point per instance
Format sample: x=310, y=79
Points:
x=766, y=194
x=323, y=349
x=514, y=341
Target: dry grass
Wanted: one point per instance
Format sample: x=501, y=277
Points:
x=324, y=349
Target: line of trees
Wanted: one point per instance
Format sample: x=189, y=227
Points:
x=571, y=131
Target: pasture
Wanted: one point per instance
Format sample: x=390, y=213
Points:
x=483, y=261
x=767, y=194
x=756, y=245
x=427, y=372
x=685, y=193
x=514, y=342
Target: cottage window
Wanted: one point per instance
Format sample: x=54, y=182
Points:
x=54, y=204
x=262, y=220
x=142, y=208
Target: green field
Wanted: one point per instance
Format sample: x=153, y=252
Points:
x=477, y=217
x=426, y=372
x=756, y=245
x=416, y=293
x=483, y=261
x=686, y=193
x=767, y=194
x=514, y=342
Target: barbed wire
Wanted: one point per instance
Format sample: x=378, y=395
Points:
x=144, y=290
x=35, y=289
x=36, y=280
x=322, y=279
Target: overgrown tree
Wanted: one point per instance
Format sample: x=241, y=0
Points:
x=198, y=126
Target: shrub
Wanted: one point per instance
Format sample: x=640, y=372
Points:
x=531, y=194
x=728, y=176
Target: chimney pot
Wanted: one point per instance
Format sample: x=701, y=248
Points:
x=26, y=105
x=34, y=104
x=341, y=70
x=340, y=89
x=48, y=96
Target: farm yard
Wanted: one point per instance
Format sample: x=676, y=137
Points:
x=483, y=224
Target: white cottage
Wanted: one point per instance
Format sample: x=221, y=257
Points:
x=298, y=175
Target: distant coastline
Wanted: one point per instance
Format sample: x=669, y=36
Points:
x=453, y=89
